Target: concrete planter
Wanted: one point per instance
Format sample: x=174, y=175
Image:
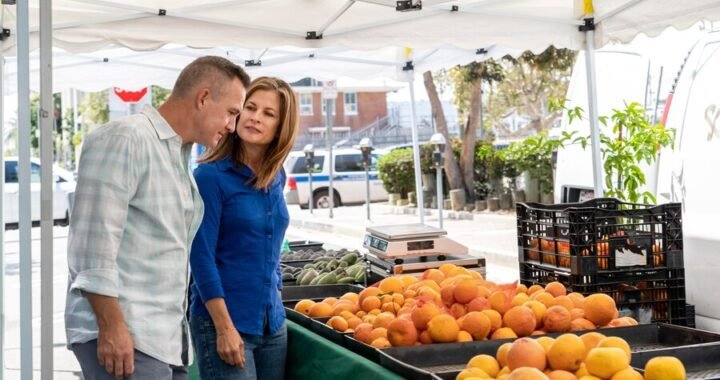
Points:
x=447, y=204
x=393, y=198
x=480, y=205
x=518, y=196
x=457, y=198
x=506, y=201
x=493, y=204
x=547, y=199
x=428, y=182
x=412, y=198
x=402, y=202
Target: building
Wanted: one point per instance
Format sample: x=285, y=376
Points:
x=359, y=109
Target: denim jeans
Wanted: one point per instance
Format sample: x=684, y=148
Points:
x=264, y=355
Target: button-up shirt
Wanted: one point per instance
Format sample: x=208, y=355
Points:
x=136, y=212
x=236, y=254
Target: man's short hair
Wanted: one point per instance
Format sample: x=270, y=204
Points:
x=215, y=71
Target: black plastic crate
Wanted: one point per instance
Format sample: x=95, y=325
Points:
x=305, y=245
x=445, y=361
x=700, y=361
x=600, y=235
x=317, y=292
x=648, y=295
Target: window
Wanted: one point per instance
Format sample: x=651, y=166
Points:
x=34, y=173
x=349, y=163
x=300, y=167
x=351, y=107
x=11, y=175
x=324, y=107
x=11, y=172
x=306, y=104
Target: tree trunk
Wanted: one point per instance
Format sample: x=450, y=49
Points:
x=452, y=170
x=467, y=156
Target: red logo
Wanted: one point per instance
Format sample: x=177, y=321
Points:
x=130, y=96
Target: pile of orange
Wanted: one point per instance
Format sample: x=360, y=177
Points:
x=454, y=304
x=590, y=356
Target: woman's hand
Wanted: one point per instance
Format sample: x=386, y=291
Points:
x=231, y=347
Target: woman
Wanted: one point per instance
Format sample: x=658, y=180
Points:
x=237, y=318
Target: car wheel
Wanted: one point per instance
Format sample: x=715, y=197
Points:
x=321, y=199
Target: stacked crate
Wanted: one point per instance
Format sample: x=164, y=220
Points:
x=632, y=252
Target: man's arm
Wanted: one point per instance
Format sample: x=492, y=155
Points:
x=106, y=183
x=115, y=349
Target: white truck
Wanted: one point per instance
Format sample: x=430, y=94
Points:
x=685, y=174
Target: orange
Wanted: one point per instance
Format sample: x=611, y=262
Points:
x=599, y=309
x=421, y=315
x=521, y=319
x=556, y=319
x=501, y=354
x=304, y=306
x=392, y=285
x=465, y=291
x=526, y=352
x=402, y=332
x=556, y=289
x=486, y=363
x=443, y=329
x=566, y=353
x=477, y=324
x=321, y=310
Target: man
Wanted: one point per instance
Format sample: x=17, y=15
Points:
x=136, y=212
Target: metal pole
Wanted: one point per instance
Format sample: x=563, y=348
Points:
x=328, y=138
x=416, y=148
x=593, y=111
x=25, y=222
x=2, y=217
x=657, y=97
x=440, y=202
x=310, y=199
x=74, y=108
x=367, y=188
x=47, y=182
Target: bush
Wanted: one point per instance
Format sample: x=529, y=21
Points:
x=396, y=170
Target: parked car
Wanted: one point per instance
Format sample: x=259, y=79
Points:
x=64, y=185
x=348, y=179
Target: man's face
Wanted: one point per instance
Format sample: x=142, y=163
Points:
x=219, y=112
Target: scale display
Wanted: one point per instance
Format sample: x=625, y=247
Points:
x=376, y=243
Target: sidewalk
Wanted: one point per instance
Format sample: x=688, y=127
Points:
x=489, y=235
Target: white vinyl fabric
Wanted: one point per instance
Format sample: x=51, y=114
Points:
x=82, y=26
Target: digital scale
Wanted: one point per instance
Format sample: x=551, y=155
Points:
x=414, y=248
x=410, y=240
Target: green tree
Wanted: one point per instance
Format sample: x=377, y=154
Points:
x=94, y=108
x=159, y=95
x=530, y=82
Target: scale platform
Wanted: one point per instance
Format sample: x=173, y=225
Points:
x=381, y=268
x=411, y=240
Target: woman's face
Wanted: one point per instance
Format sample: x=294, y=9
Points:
x=260, y=118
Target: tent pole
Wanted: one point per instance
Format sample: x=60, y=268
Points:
x=24, y=206
x=2, y=216
x=416, y=145
x=593, y=107
x=47, y=124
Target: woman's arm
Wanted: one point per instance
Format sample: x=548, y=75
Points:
x=205, y=272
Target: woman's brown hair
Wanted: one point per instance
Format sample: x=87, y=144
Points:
x=279, y=148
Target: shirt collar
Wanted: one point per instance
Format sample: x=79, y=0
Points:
x=162, y=128
x=227, y=163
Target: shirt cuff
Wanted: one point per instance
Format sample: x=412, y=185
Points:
x=210, y=290
x=97, y=281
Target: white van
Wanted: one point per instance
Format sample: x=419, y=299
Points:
x=689, y=174
x=348, y=179
x=621, y=77
x=64, y=184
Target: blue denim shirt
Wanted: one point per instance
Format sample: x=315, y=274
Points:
x=236, y=253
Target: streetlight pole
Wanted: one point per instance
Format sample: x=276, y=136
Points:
x=310, y=166
x=438, y=142
x=366, y=149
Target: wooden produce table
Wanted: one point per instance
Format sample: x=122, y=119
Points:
x=311, y=356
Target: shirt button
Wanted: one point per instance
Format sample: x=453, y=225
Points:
x=269, y=213
x=269, y=236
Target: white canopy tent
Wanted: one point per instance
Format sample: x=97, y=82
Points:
x=126, y=68
x=85, y=26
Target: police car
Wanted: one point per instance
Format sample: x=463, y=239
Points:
x=348, y=179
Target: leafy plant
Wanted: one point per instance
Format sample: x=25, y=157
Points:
x=633, y=142
x=534, y=155
x=396, y=170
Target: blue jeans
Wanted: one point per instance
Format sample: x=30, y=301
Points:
x=264, y=355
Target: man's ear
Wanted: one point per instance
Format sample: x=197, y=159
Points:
x=202, y=97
